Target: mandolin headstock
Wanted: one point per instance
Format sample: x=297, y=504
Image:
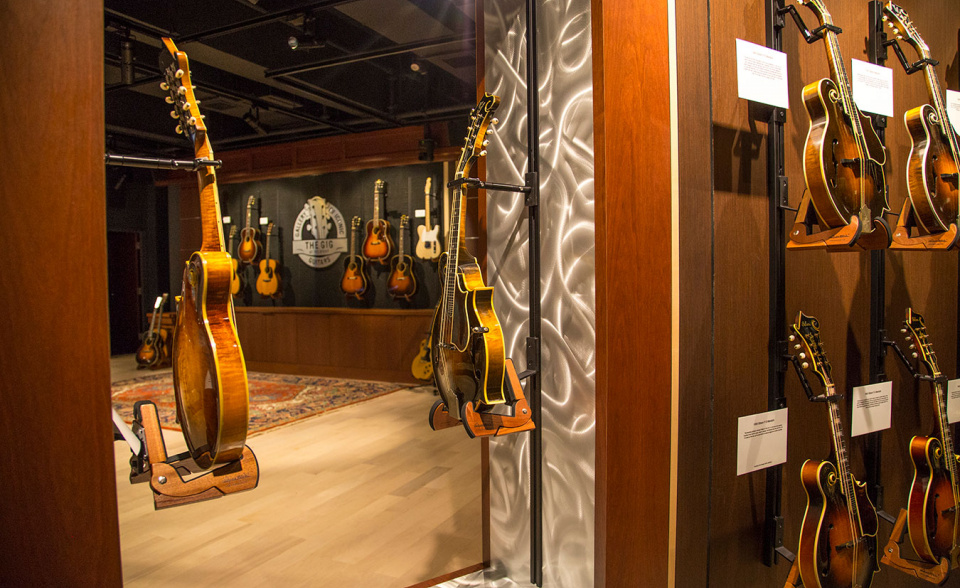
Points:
x=176, y=81
x=819, y=9
x=916, y=335
x=898, y=20
x=805, y=343
x=475, y=143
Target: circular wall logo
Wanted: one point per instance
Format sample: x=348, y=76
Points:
x=323, y=222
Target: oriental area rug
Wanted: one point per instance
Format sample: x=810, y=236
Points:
x=275, y=399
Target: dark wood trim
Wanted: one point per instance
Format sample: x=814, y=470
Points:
x=341, y=311
x=448, y=577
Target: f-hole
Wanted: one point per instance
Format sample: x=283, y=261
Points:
x=836, y=163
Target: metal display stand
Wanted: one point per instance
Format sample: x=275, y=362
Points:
x=190, y=165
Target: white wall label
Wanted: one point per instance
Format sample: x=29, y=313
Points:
x=420, y=213
x=227, y=220
x=761, y=441
x=264, y=220
x=872, y=87
x=762, y=74
x=871, y=408
x=953, y=401
x=953, y=109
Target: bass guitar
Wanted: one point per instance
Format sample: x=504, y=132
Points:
x=428, y=247
x=378, y=244
x=843, y=156
x=838, y=537
x=932, y=180
x=151, y=350
x=932, y=517
x=268, y=282
x=209, y=374
x=401, y=283
x=249, y=247
x=466, y=342
x=235, y=281
x=354, y=281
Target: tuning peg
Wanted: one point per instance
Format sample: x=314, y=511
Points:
x=885, y=18
x=912, y=346
x=179, y=74
x=804, y=365
x=796, y=346
x=203, y=116
x=483, y=153
x=900, y=37
x=179, y=130
x=495, y=121
x=890, y=24
x=903, y=330
x=164, y=86
x=168, y=100
x=792, y=338
x=182, y=90
x=193, y=121
x=486, y=143
x=915, y=355
x=803, y=356
x=197, y=102
x=173, y=114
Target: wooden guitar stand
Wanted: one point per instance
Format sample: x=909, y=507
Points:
x=850, y=237
x=933, y=573
x=793, y=579
x=482, y=423
x=921, y=239
x=166, y=474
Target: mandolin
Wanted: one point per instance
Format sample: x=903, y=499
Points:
x=422, y=367
x=428, y=247
x=151, y=350
x=838, y=537
x=268, y=282
x=249, y=247
x=236, y=284
x=378, y=245
x=401, y=283
x=354, y=281
x=209, y=374
x=934, y=154
x=843, y=156
x=466, y=342
x=932, y=517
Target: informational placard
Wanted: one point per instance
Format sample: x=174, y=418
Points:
x=762, y=74
x=420, y=213
x=953, y=401
x=872, y=405
x=872, y=87
x=227, y=220
x=761, y=441
x=953, y=109
x=264, y=220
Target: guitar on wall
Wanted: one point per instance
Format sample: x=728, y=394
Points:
x=843, y=155
x=401, y=283
x=249, y=247
x=932, y=517
x=354, y=280
x=422, y=367
x=236, y=283
x=209, y=374
x=152, y=350
x=378, y=244
x=838, y=537
x=932, y=180
x=466, y=342
x=268, y=282
x=428, y=247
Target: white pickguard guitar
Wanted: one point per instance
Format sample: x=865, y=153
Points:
x=428, y=247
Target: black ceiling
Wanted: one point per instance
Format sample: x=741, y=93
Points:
x=353, y=71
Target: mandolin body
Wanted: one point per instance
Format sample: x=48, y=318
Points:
x=401, y=283
x=268, y=282
x=210, y=377
x=932, y=515
x=840, y=184
x=472, y=368
x=249, y=247
x=354, y=280
x=934, y=198
x=378, y=244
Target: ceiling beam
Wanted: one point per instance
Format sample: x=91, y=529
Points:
x=259, y=20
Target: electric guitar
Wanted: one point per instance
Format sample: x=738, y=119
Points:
x=934, y=153
x=428, y=247
x=378, y=244
x=151, y=349
x=236, y=284
x=843, y=156
x=838, y=537
x=932, y=517
x=249, y=247
x=209, y=374
x=422, y=367
x=268, y=282
x=466, y=342
x=401, y=283
x=354, y=280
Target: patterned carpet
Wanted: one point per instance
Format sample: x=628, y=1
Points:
x=274, y=399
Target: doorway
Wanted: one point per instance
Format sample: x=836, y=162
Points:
x=123, y=273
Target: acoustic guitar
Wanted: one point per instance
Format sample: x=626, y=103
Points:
x=151, y=350
x=268, y=282
x=428, y=246
x=354, y=280
x=932, y=180
x=249, y=247
x=838, y=537
x=422, y=367
x=401, y=283
x=209, y=374
x=236, y=283
x=932, y=517
x=378, y=244
x=466, y=342
x=843, y=156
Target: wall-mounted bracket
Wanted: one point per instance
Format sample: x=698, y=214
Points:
x=189, y=165
x=808, y=35
x=530, y=187
x=941, y=379
x=910, y=68
x=806, y=384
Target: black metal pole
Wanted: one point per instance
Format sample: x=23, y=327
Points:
x=160, y=163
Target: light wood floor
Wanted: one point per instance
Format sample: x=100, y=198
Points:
x=366, y=496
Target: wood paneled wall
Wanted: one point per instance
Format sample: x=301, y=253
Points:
x=58, y=502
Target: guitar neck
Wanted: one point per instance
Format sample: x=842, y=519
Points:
x=426, y=208
x=376, y=207
x=402, y=231
x=266, y=254
x=353, y=239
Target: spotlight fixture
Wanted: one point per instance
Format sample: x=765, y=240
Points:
x=311, y=37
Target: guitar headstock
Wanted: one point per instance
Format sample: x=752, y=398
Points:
x=898, y=20
x=355, y=224
x=403, y=221
x=233, y=231
x=379, y=187
x=269, y=229
x=805, y=342
x=920, y=346
x=251, y=202
x=475, y=143
x=428, y=187
x=176, y=81
x=820, y=9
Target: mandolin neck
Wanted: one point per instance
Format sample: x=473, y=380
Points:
x=843, y=463
x=939, y=105
x=210, y=219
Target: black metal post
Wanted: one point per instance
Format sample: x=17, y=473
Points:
x=190, y=165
